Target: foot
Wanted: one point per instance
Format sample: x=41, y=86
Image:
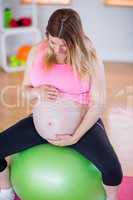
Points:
x=7, y=194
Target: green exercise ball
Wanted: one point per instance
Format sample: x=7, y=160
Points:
x=48, y=172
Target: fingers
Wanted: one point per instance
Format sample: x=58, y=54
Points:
x=52, y=96
x=52, y=93
x=49, y=92
x=52, y=88
x=57, y=143
x=62, y=136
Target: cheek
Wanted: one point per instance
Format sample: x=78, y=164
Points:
x=63, y=50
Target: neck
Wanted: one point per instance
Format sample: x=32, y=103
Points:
x=61, y=59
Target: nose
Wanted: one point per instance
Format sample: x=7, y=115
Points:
x=57, y=49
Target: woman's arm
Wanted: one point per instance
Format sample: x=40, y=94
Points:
x=97, y=103
x=44, y=91
x=28, y=91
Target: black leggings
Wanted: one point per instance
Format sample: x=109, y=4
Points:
x=94, y=145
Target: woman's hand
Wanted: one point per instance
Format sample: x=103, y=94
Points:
x=42, y=92
x=48, y=92
x=63, y=140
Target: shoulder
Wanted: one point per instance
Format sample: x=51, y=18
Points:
x=37, y=49
x=98, y=66
x=90, y=46
x=42, y=46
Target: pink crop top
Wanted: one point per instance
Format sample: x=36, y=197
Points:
x=61, y=76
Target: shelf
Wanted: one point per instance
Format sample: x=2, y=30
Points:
x=12, y=31
x=17, y=36
x=14, y=69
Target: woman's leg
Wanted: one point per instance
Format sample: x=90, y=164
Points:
x=96, y=147
x=6, y=191
x=16, y=138
x=4, y=177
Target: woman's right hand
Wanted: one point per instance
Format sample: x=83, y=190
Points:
x=48, y=92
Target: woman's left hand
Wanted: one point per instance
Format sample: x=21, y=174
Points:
x=63, y=140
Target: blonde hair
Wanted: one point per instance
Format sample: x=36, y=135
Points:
x=81, y=55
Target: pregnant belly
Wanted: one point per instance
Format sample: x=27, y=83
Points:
x=59, y=117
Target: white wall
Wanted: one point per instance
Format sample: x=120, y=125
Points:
x=110, y=28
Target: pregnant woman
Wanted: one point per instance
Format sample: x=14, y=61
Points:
x=65, y=78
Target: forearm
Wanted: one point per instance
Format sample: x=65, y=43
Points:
x=90, y=118
x=97, y=104
x=29, y=92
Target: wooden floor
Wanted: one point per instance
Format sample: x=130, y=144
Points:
x=118, y=115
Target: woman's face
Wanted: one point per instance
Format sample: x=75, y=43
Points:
x=58, y=45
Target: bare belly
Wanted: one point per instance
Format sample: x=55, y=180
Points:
x=58, y=117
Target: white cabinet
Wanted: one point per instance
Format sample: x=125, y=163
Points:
x=13, y=38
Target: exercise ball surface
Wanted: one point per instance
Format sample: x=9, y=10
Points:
x=48, y=172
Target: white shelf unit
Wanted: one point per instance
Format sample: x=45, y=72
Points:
x=30, y=33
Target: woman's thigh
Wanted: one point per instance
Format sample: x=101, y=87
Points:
x=96, y=147
x=18, y=137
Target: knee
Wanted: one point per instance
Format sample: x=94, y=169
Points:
x=3, y=165
x=113, y=175
x=8, y=160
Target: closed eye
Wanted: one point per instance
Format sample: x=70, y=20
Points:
x=60, y=45
x=52, y=43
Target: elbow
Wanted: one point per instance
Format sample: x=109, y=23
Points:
x=24, y=91
x=101, y=103
x=98, y=106
x=101, y=107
